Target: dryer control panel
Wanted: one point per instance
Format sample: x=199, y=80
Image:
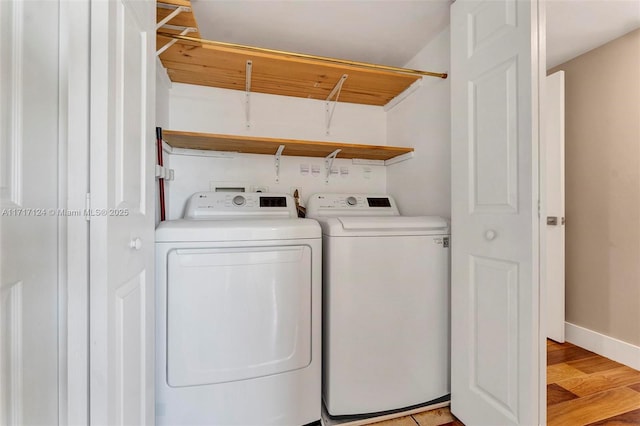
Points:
x=328, y=205
x=239, y=205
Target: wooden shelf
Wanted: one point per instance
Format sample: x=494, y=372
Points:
x=259, y=145
x=278, y=74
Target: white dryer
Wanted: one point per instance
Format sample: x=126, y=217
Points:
x=238, y=313
x=386, y=304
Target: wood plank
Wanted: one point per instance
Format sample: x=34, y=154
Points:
x=598, y=382
x=594, y=364
x=635, y=387
x=183, y=19
x=176, y=2
x=434, y=417
x=258, y=145
x=593, y=408
x=557, y=394
x=562, y=371
x=626, y=419
x=553, y=346
x=234, y=78
x=567, y=354
x=402, y=421
x=281, y=74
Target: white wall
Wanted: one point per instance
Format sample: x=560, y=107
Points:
x=163, y=85
x=211, y=110
x=423, y=185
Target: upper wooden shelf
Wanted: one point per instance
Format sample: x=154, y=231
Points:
x=281, y=75
x=224, y=65
x=259, y=145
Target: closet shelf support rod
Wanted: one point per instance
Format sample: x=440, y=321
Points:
x=247, y=93
x=335, y=92
x=277, y=159
x=328, y=163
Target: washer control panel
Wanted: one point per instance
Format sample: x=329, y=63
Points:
x=238, y=205
x=351, y=204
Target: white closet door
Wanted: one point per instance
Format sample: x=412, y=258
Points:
x=123, y=221
x=495, y=301
x=29, y=110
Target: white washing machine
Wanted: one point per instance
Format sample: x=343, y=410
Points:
x=386, y=304
x=238, y=331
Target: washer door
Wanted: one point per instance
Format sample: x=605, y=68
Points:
x=237, y=313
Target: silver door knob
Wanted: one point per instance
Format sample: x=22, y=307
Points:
x=135, y=244
x=490, y=235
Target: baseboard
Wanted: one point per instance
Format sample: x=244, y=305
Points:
x=617, y=350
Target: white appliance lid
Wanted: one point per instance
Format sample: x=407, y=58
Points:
x=384, y=225
x=187, y=230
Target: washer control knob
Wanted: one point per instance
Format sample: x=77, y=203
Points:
x=352, y=201
x=239, y=200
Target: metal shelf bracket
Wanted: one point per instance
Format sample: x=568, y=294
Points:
x=183, y=31
x=247, y=93
x=399, y=158
x=328, y=163
x=330, y=106
x=176, y=11
x=277, y=161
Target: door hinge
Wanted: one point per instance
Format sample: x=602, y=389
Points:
x=87, y=207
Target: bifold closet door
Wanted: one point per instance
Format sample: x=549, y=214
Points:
x=497, y=347
x=122, y=135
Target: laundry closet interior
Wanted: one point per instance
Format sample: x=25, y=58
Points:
x=227, y=126
x=244, y=119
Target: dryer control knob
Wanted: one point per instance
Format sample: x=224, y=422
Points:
x=352, y=201
x=239, y=200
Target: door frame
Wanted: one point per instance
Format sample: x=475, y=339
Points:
x=542, y=286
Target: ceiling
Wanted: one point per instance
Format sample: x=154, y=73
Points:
x=577, y=26
x=391, y=32
x=387, y=32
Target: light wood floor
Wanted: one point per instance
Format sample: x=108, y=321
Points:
x=583, y=389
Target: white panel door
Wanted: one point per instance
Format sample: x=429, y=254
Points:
x=122, y=205
x=495, y=301
x=29, y=112
x=552, y=217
